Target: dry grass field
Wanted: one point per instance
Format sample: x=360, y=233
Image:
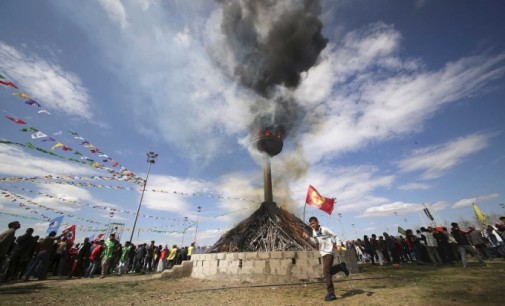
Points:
x=409, y=284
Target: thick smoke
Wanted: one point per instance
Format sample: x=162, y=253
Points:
x=271, y=42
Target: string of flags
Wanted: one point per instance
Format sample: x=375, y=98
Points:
x=112, y=209
x=58, y=177
x=86, y=144
x=43, y=180
x=123, y=175
x=22, y=216
x=18, y=198
x=101, y=207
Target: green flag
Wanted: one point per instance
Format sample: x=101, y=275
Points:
x=401, y=231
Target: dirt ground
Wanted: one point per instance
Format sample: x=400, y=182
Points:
x=408, y=285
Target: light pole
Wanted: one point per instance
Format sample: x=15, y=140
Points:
x=341, y=226
x=151, y=159
x=184, y=231
x=199, y=209
x=111, y=214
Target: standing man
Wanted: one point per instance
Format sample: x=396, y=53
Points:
x=464, y=244
x=79, y=264
x=190, y=251
x=124, y=261
x=20, y=252
x=327, y=242
x=108, y=251
x=40, y=263
x=6, y=239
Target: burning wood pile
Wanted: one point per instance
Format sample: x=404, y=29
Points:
x=265, y=230
x=270, y=228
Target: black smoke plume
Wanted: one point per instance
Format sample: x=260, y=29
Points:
x=272, y=42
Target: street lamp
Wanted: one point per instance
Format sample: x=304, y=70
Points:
x=341, y=225
x=151, y=159
x=111, y=214
x=184, y=231
x=199, y=209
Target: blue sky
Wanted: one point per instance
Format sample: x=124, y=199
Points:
x=403, y=107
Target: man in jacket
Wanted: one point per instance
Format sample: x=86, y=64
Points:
x=464, y=244
x=327, y=242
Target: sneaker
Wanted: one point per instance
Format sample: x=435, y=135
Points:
x=330, y=297
x=344, y=268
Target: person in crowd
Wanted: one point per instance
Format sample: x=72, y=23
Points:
x=464, y=244
x=431, y=246
x=414, y=246
x=108, y=251
x=392, y=247
x=40, y=264
x=384, y=249
x=140, y=255
x=181, y=255
x=327, y=242
x=477, y=240
x=495, y=240
x=124, y=261
x=359, y=250
x=443, y=246
x=190, y=251
x=404, y=249
x=20, y=252
x=80, y=258
x=377, y=249
x=131, y=258
x=94, y=259
x=367, y=245
x=149, y=256
x=58, y=252
x=157, y=253
x=172, y=256
x=162, y=264
x=6, y=239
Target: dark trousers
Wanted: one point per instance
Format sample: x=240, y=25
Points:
x=327, y=265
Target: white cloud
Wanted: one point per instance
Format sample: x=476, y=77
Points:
x=477, y=199
x=16, y=162
x=389, y=209
x=177, y=198
x=48, y=83
x=116, y=11
x=414, y=186
x=434, y=161
x=363, y=92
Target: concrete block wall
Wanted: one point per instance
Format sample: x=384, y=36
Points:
x=266, y=267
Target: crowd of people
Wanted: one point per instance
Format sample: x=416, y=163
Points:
x=433, y=245
x=26, y=256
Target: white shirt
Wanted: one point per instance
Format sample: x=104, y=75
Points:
x=326, y=240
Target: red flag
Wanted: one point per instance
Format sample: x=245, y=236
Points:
x=316, y=200
x=70, y=235
x=99, y=237
x=8, y=84
x=17, y=120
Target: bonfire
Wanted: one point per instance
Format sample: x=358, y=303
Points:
x=270, y=228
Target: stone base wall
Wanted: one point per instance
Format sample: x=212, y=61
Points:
x=266, y=267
